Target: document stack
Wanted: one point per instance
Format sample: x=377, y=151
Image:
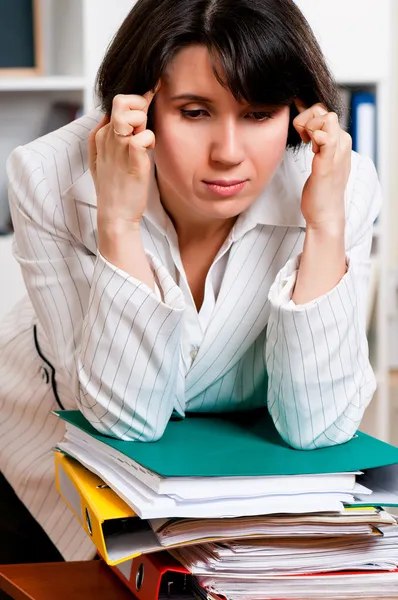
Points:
x=241, y=514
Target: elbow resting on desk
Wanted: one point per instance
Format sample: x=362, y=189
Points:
x=311, y=429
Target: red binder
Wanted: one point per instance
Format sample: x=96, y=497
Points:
x=144, y=574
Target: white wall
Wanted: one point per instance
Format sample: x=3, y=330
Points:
x=393, y=212
x=96, y=39
x=353, y=35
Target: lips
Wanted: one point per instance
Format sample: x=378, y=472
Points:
x=225, y=187
x=225, y=182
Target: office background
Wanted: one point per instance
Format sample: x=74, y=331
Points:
x=47, y=72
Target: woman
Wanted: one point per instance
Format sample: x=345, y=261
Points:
x=223, y=270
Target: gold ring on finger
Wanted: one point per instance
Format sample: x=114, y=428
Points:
x=122, y=134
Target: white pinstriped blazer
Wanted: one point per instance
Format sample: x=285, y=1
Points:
x=116, y=347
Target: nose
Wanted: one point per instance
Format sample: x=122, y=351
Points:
x=227, y=147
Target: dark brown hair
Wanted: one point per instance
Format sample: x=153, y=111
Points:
x=266, y=48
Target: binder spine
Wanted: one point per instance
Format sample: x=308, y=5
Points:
x=143, y=574
x=364, y=121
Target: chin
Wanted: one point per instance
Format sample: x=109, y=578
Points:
x=224, y=209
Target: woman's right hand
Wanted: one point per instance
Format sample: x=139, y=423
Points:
x=120, y=165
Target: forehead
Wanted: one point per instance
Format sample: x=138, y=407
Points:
x=192, y=68
x=192, y=73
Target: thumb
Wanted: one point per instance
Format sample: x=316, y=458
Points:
x=92, y=145
x=149, y=96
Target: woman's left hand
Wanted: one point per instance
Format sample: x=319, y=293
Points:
x=322, y=203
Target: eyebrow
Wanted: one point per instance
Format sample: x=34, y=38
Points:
x=197, y=98
x=192, y=98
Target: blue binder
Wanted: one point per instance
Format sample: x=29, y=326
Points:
x=364, y=124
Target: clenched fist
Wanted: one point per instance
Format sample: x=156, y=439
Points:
x=119, y=161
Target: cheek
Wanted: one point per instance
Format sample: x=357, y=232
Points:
x=269, y=145
x=175, y=151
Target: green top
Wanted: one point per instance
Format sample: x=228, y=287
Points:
x=239, y=444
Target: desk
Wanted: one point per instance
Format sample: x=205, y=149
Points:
x=88, y=580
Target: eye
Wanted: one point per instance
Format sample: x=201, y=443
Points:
x=193, y=114
x=260, y=116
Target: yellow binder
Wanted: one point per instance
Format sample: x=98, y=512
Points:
x=112, y=525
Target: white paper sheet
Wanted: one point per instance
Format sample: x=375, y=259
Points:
x=148, y=505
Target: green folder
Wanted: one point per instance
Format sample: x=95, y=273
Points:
x=241, y=444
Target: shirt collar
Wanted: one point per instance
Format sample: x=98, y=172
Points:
x=278, y=205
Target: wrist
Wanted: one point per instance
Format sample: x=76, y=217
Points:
x=116, y=237
x=323, y=261
x=120, y=244
x=325, y=242
x=327, y=229
x=112, y=227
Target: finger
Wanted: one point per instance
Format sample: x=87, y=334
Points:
x=123, y=102
x=138, y=148
x=149, y=96
x=92, y=144
x=345, y=141
x=328, y=147
x=300, y=105
x=125, y=123
x=311, y=127
x=322, y=145
x=305, y=114
x=142, y=141
x=329, y=124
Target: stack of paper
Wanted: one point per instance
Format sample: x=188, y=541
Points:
x=349, y=522
x=254, y=559
x=325, y=493
x=192, y=471
x=329, y=585
x=248, y=516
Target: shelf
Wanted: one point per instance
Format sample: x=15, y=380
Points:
x=359, y=81
x=42, y=84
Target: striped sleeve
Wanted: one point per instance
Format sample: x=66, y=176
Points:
x=320, y=378
x=115, y=341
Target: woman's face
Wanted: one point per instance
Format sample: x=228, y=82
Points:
x=205, y=138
